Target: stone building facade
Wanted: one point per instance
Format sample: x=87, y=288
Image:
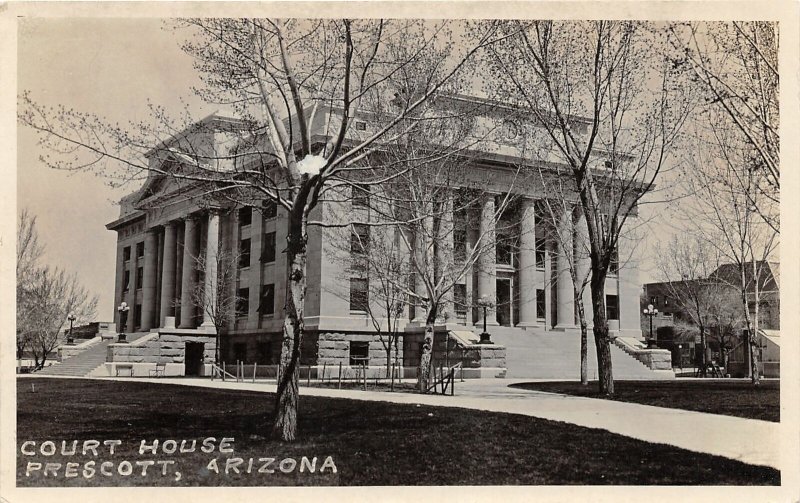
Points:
x=165, y=226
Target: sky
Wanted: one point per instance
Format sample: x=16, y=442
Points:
x=112, y=67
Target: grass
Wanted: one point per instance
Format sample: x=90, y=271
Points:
x=726, y=397
x=371, y=443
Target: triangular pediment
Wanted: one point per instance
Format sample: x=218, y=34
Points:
x=161, y=184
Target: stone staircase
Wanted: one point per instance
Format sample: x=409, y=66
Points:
x=85, y=362
x=540, y=354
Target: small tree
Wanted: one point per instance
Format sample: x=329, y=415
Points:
x=53, y=295
x=373, y=255
x=29, y=251
x=608, y=108
x=217, y=298
x=687, y=267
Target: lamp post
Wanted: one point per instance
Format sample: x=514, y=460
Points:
x=651, y=312
x=71, y=319
x=485, y=302
x=123, y=317
x=680, y=357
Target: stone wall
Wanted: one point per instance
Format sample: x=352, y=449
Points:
x=654, y=359
x=333, y=348
x=165, y=348
x=477, y=360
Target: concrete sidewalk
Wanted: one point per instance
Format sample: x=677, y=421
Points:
x=747, y=440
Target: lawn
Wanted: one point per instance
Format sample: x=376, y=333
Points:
x=727, y=397
x=370, y=443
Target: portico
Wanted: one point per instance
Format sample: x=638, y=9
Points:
x=165, y=295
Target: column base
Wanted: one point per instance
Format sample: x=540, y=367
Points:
x=530, y=324
x=489, y=323
x=564, y=327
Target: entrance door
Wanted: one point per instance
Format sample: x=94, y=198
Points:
x=504, y=302
x=193, y=361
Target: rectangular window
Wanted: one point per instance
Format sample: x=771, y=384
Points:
x=126, y=254
x=612, y=307
x=460, y=244
x=504, y=249
x=541, y=305
x=264, y=353
x=268, y=248
x=359, y=239
x=126, y=281
x=266, y=304
x=139, y=278
x=240, y=352
x=269, y=209
x=140, y=250
x=460, y=300
x=361, y=126
x=359, y=294
x=245, y=216
x=244, y=253
x=360, y=196
x=359, y=353
x=613, y=265
x=540, y=253
x=242, y=302
x=137, y=316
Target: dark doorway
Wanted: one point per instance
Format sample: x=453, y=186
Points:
x=504, y=302
x=194, y=358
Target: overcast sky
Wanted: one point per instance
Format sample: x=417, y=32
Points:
x=109, y=66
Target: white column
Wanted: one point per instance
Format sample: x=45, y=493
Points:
x=149, y=280
x=445, y=256
x=188, y=272
x=566, y=304
x=527, y=265
x=424, y=266
x=212, y=253
x=168, y=273
x=487, y=275
x=583, y=265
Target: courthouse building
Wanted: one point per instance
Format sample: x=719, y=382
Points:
x=166, y=224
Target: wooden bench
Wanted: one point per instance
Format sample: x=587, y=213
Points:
x=125, y=368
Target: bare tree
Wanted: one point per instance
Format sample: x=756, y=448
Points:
x=417, y=190
x=224, y=304
x=298, y=85
x=29, y=251
x=735, y=66
x=565, y=228
x=688, y=265
x=727, y=213
x=374, y=278
x=52, y=296
x=609, y=109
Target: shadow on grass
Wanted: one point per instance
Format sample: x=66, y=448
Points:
x=727, y=397
x=371, y=443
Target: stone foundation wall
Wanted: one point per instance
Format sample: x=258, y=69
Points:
x=164, y=348
x=654, y=359
x=333, y=348
x=446, y=353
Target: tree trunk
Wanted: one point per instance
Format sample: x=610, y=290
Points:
x=584, y=340
x=703, y=359
x=285, y=424
x=426, y=356
x=601, y=339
